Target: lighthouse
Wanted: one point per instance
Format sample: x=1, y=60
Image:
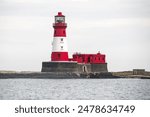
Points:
x=59, y=44
x=78, y=63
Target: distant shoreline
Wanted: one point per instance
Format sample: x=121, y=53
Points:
x=67, y=75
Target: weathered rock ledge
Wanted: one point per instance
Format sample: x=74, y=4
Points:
x=55, y=75
x=132, y=74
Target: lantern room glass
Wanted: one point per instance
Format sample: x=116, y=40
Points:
x=60, y=19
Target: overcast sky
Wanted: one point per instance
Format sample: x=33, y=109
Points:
x=118, y=28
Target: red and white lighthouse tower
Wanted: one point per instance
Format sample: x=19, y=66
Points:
x=89, y=63
x=59, y=44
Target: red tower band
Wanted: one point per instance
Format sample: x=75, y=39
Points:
x=60, y=50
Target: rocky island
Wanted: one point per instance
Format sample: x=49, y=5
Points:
x=136, y=73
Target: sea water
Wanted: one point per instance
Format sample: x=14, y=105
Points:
x=73, y=89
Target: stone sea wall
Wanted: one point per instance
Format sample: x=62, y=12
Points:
x=73, y=67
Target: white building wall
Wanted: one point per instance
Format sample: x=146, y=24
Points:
x=59, y=44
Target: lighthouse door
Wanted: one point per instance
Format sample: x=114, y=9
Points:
x=84, y=68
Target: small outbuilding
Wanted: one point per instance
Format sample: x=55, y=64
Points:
x=138, y=71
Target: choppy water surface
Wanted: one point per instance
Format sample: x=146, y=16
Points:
x=74, y=89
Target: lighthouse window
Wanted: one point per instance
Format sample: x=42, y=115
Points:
x=61, y=39
x=61, y=47
x=89, y=60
